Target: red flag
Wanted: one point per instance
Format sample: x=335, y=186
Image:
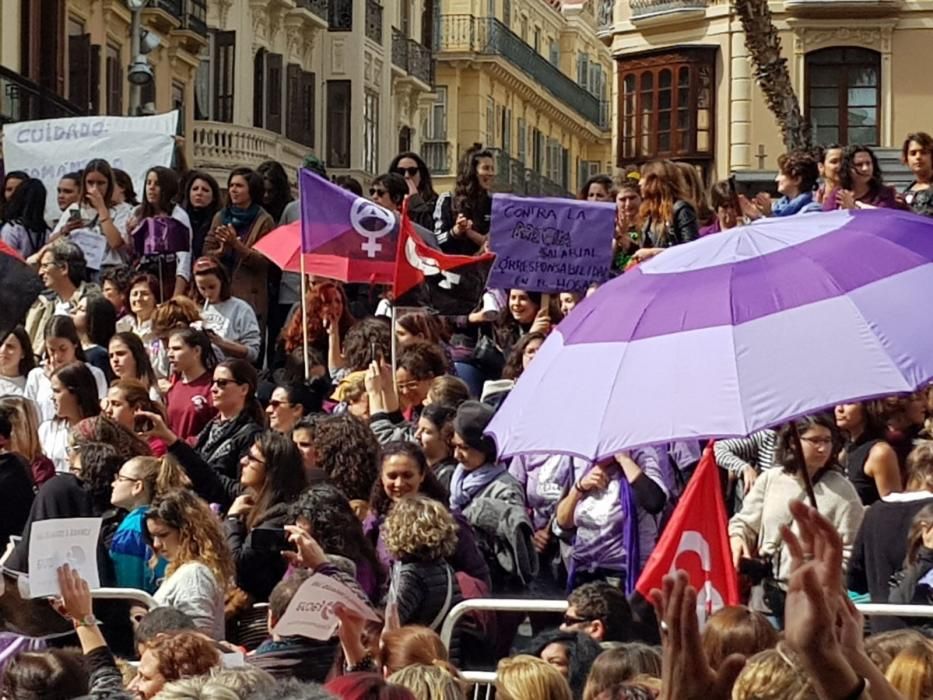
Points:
x=8, y=250
x=415, y=259
x=696, y=540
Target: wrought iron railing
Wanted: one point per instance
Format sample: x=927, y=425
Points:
x=399, y=49
x=646, y=8
x=340, y=15
x=374, y=21
x=23, y=100
x=318, y=7
x=488, y=36
x=513, y=176
x=420, y=62
x=436, y=156
x=196, y=16
x=172, y=7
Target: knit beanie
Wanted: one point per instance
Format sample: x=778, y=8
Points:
x=470, y=422
x=314, y=164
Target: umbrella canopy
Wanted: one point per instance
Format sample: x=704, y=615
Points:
x=731, y=334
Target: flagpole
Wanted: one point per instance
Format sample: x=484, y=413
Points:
x=304, y=315
x=393, y=344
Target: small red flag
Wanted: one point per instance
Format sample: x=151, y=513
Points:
x=696, y=540
x=415, y=259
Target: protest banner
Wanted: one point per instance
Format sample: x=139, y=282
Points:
x=311, y=610
x=546, y=244
x=59, y=541
x=46, y=149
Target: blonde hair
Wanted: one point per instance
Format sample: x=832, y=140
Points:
x=524, y=676
x=198, y=688
x=881, y=648
x=421, y=528
x=449, y=391
x=920, y=466
x=439, y=681
x=411, y=645
x=158, y=474
x=773, y=674
x=24, y=421
x=246, y=681
x=911, y=671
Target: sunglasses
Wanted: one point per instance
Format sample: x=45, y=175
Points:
x=571, y=620
x=411, y=172
x=373, y=192
x=222, y=383
x=275, y=403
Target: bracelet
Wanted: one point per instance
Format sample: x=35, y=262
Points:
x=367, y=663
x=579, y=488
x=86, y=621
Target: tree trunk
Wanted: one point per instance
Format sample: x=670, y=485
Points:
x=764, y=47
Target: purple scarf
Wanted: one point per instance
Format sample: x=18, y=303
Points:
x=465, y=486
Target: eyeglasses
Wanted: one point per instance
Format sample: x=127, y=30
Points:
x=818, y=442
x=275, y=403
x=255, y=460
x=72, y=450
x=411, y=172
x=375, y=192
x=408, y=386
x=571, y=620
x=222, y=383
x=120, y=477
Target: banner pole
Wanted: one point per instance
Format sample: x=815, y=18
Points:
x=393, y=344
x=304, y=314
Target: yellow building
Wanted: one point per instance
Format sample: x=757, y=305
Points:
x=346, y=79
x=685, y=87
x=70, y=57
x=529, y=78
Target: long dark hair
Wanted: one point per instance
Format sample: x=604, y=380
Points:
x=28, y=362
x=469, y=196
x=244, y=373
x=785, y=449
x=168, y=192
x=273, y=172
x=97, y=165
x=80, y=383
x=64, y=327
x=922, y=520
x=134, y=344
x=426, y=186
x=27, y=207
x=254, y=184
x=514, y=365
x=194, y=338
x=848, y=163
x=124, y=181
x=101, y=319
x=380, y=502
x=285, y=475
x=99, y=466
x=216, y=200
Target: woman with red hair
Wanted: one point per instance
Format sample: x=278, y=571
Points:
x=669, y=217
x=328, y=319
x=367, y=686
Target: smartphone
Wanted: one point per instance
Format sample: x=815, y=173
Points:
x=141, y=424
x=74, y=215
x=270, y=539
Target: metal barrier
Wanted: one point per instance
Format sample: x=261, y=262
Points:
x=894, y=610
x=483, y=682
x=133, y=595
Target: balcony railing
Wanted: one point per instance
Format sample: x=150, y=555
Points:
x=318, y=7
x=23, y=100
x=196, y=16
x=399, y=49
x=172, y=7
x=374, y=21
x=420, y=62
x=340, y=15
x=220, y=146
x=437, y=156
x=642, y=9
x=604, y=15
x=513, y=176
x=489, y=37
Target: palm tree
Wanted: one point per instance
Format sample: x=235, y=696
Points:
x=764, y=46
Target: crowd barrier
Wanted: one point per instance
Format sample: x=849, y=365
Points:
x=483, y=682
x=132, y=595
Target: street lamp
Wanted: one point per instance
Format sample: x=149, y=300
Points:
x=140, y=72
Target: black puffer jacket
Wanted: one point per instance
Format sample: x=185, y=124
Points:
x=257, y=570
x=223, y=443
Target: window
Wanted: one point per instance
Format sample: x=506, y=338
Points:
x=507, y=13
x=82, y=91
x=506, y=130
x=274, y=92
x=523, y=28
x=299, y=118
x=42, y=41
x=522, y=140
x=371, y=133
x=490, y=122
x=437, y=121
x=223, y=76
x=583, y=69
x=338, y=123
x=666, y=106
x=554, y=53
x=114, y=81
x=404, y=139
x=404, y=24
x=537, y=40
x=178, y=102
x=843, y=95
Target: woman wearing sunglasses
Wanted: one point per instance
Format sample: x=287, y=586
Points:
x=421, y=195
x=389, y=191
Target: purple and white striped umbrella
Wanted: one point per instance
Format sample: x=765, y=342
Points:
x=733, y=333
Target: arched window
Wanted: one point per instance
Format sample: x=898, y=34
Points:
x=844, y=95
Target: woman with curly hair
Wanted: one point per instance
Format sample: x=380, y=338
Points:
x=171, y=657
x=461, y=218
x=347, y=450
x=328, y=319
x=669, y=217
x=104, y=429
x=861, y=183
x=183, y=530
x=324, y=513
x=421, y=534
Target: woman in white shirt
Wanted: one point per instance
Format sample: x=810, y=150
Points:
x=230, y=322
x=16, y=362
x=181, y=529
x=96, y=213
x=62, y=347
x=74, y=399
x=172, y=266
x=143, y=296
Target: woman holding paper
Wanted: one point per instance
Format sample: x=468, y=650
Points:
x=97, y=214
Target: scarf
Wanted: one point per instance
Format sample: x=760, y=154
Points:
x=788, y=207
x=465, y=486
x=240, y=219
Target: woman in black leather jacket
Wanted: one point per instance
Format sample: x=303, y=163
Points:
x=669, y=217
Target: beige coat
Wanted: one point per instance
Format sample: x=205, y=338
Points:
x=249, y=278
x=765, y=510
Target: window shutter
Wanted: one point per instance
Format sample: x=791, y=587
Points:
x=307, y=108
x=95, y=81
x=274, y=92
x=293, y=123
x=259, y=94
x=223, y=75
x=79, y=71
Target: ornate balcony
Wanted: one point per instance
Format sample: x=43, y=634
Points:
x=23, y=100
x=665, y=11
x=842, y=8
x=217, y=146
x=399, y=49
x=484, y=36
x=374, y=21
x=420, y=62
x=317, y=7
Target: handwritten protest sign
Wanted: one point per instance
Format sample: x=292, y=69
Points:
x=48, y=148
x=550, y=244
x=59, y=541
x=311, y=611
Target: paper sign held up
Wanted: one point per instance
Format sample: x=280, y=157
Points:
x=52, y=543
x=311, y=611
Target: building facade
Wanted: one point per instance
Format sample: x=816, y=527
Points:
x=349, y=80
x=685, y=87
x=528, y=78
x=69, y=57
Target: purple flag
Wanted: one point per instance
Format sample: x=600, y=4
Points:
x=547, y=244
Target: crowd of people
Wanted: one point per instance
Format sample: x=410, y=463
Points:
x=167, y=388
